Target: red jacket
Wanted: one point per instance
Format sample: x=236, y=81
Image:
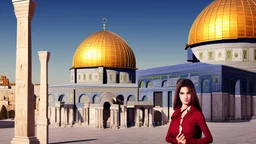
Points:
x=192, y=127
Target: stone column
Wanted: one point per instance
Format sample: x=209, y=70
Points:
x=116, y=117
x=24, y=127
x=137, y=117
x=111, y=118
x=87, y=116
x=125, y=117
x=150, y=118
x=97, y=118
x=53, y=115
x=66, y=115
x=58, y=117
x=146, y=118
x=101, y=118
x=62, y=119
x=122, y=117
x=43, y=120
x=71, y=117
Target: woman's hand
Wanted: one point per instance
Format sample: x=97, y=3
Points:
x=181, y=139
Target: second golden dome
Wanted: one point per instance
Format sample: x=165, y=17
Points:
x=105, y=49
x=224, y=19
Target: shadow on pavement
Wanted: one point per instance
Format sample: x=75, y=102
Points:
x=6, y=124
x=74, y=141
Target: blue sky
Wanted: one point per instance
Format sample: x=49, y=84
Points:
x=156, y=30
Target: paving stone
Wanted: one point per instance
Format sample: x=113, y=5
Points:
x=223, y=133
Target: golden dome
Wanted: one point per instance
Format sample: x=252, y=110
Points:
x=105, y=49
x=224, y=19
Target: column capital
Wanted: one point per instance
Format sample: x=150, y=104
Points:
x=44, y=56
x=24, y=8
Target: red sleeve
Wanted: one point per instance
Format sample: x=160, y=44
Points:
x=202, y=124
x=169, y=137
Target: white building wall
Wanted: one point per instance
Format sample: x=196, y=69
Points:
x=230, y=54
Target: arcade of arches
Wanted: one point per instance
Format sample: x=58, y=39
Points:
x=110, y=112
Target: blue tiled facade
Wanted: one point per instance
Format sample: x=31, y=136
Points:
x=207, y=78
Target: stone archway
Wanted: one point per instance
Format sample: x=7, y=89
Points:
x=106, y=115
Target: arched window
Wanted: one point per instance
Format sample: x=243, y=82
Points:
x=142, y=84
x=144, y=98
x=164, y=83
x=148, y=84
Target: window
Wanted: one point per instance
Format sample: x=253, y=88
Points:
x=142, y=84
x=245, y=54
x=148, y=84
x=90, y=76
x=201, y=55
x=210, y=55
x=164, y=83
x=229, y=54
x=84, y=77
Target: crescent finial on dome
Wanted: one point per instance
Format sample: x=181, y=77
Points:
x=104, y=20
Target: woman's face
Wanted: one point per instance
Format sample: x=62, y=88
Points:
x=185, y=95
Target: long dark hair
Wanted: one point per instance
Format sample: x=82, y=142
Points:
x=194, y=99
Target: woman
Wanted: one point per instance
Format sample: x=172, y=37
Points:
x=187, y=121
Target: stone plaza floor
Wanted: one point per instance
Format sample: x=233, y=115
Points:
x=223, y=133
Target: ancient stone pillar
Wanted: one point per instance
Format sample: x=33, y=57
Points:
x=71, y=116
x=111, y=118
x=58, y=117
x=116, y=119
x=137, y=117
x=43, y=120
x=66, y=115
x=62, y=116
x=150, y=117
x=53, y=115
x=125, y=117
x=101, y=114
x=24, y=127
x=86, y=115
x=100, y=118
x=146, y=118
x=97, y=118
